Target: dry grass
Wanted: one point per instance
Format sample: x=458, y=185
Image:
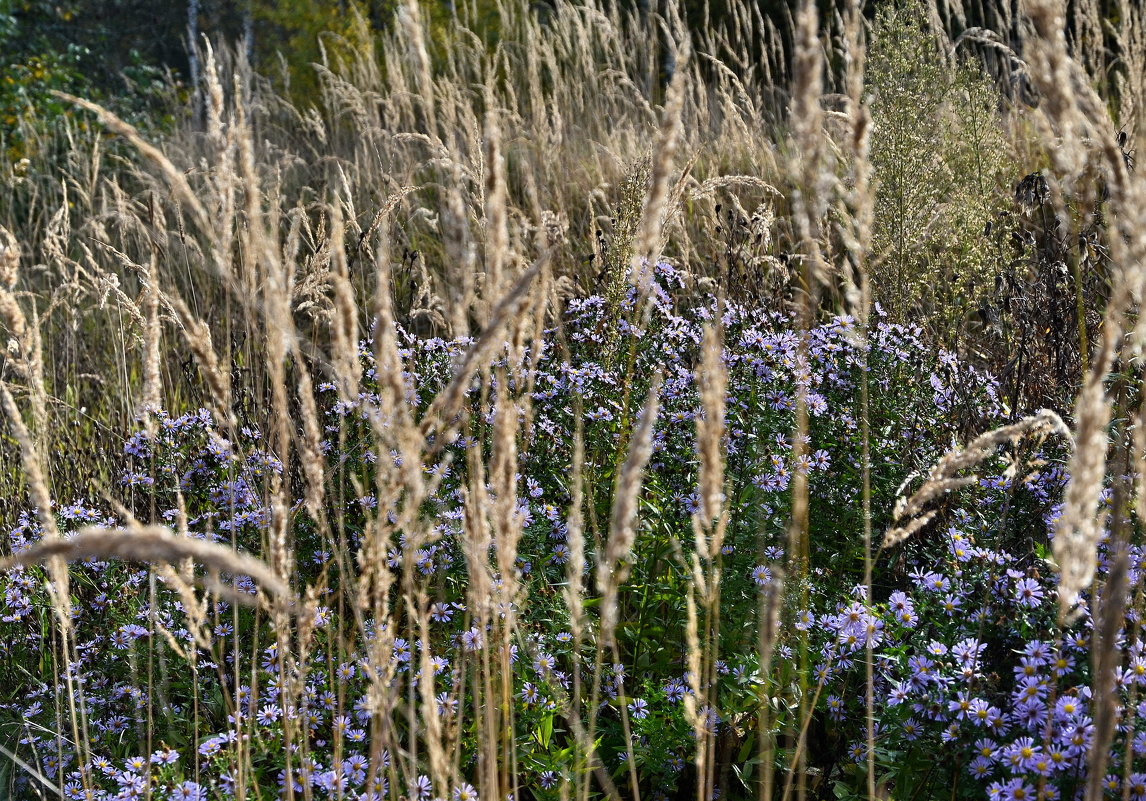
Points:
x=911, y=513
x=263, y=247
x=151, y=544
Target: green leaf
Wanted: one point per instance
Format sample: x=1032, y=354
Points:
x=545, y=730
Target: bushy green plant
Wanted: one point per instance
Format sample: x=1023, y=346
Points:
x=48, y=47
x=939, y=154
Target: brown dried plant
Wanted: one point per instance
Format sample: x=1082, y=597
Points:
x=152, y=544
x=912, y=513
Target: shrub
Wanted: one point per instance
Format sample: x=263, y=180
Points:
x=940, y=157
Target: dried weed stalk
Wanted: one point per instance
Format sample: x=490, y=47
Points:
x=151, y=544
x=911, y=514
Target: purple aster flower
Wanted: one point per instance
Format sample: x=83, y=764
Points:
x=951, y=604
x=187, y=791
x=1031, y=688
x=472, y=639
x=761, y=575
x=961, y=706
x=1017, y=790
x=268, y=714
x=1028, y=593
x=981, y=767
x=167, y=756
x=1061, y=663
x=465, y=792
x=1021, y=754
x=1030, y=714
x=982, y=712
x=1137, y=786
x=355, y=767
x=967, y=651
x=922, y=671
x=835, y=707
x=1038, y=650
x=898, y=694
x=1027, y=668
x=446, y=705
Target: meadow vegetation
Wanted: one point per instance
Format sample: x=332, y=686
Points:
x=570, y=402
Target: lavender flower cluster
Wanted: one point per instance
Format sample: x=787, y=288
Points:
x=972, y=666
x=969, y=658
